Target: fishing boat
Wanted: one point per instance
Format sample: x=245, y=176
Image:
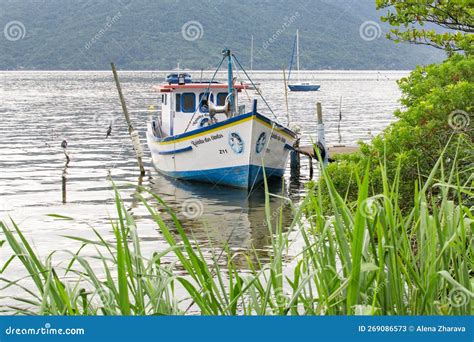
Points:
x=204, y=133
x=299, y=86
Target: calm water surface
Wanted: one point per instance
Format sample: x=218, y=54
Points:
x=40, y=109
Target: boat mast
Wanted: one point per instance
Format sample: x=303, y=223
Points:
x=298, y=53
x=230, y=80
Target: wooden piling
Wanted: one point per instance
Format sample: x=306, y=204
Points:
x=319, y=113
x=63, y=183
x=133, y=134
x=295, y=159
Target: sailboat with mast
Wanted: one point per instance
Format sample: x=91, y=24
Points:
x=299, y=86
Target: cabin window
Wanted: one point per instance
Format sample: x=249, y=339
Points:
x=166, y=99
x=221, y=99
x=202, y=98
x=178, y=102
x=188, y=102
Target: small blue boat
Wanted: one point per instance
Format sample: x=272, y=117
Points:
x=299, y=86
x=304, y=87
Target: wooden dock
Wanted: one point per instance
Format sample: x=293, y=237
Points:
x=333, y=150
x=310, y=153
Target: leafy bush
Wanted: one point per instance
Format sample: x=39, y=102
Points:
x=438, y=104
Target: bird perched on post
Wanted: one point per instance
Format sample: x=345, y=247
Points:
x=109, y=131
x=64, y=146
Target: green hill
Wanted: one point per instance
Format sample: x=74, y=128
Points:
x=140, y=34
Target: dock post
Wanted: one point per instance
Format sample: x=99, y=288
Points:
x=295, y=159
x=133, y=134
x=310, y=167
x=320, y=128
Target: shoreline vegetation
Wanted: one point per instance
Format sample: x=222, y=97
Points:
x=368, y=258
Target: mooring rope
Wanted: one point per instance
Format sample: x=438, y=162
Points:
x=256, y=88
x=207, y=92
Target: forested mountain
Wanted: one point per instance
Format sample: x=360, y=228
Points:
x=146, y=34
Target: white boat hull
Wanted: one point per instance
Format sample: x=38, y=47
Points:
x=234, y=152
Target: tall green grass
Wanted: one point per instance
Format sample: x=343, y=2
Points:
x=130, y=284
x=368, y=257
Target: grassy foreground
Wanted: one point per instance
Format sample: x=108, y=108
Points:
x=369, y=257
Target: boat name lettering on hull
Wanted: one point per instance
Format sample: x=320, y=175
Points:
x=204, y=140
x=278, y=137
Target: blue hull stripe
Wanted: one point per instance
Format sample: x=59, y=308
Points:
x=283, y=128
x=179, y=150
x=244, y=176
x=203, y=129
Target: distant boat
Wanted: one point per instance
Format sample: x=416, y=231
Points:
x=299, y=86
x=304, y=87
x=204, y=134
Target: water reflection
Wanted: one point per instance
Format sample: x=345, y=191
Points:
x=225, y=216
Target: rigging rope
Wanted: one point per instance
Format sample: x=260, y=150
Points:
x=206, y=92
x=256, y=88
x=245, y=88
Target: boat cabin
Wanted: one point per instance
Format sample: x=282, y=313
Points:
x=187, y=105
